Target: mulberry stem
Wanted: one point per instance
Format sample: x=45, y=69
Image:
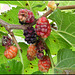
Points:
x=19, y=49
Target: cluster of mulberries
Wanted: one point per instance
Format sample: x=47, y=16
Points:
x=36, y=48
x=42, y=27
x=10, y=50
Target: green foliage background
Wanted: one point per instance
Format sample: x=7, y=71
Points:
x=61, y=42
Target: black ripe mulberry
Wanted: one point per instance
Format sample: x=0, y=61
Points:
x=30, y=35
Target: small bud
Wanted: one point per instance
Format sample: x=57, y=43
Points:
x=52, y=5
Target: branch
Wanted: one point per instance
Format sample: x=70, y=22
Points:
x=61, y=8
x=67, y=7
x=8, y=26
x=12, y=26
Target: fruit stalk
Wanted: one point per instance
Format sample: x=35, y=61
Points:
x=19, y=49
x=14, y=40
x=21, y=61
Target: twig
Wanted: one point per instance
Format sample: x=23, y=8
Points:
x=61, y=8
x=15, y=41
x=47, y=13
x=67, y=7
